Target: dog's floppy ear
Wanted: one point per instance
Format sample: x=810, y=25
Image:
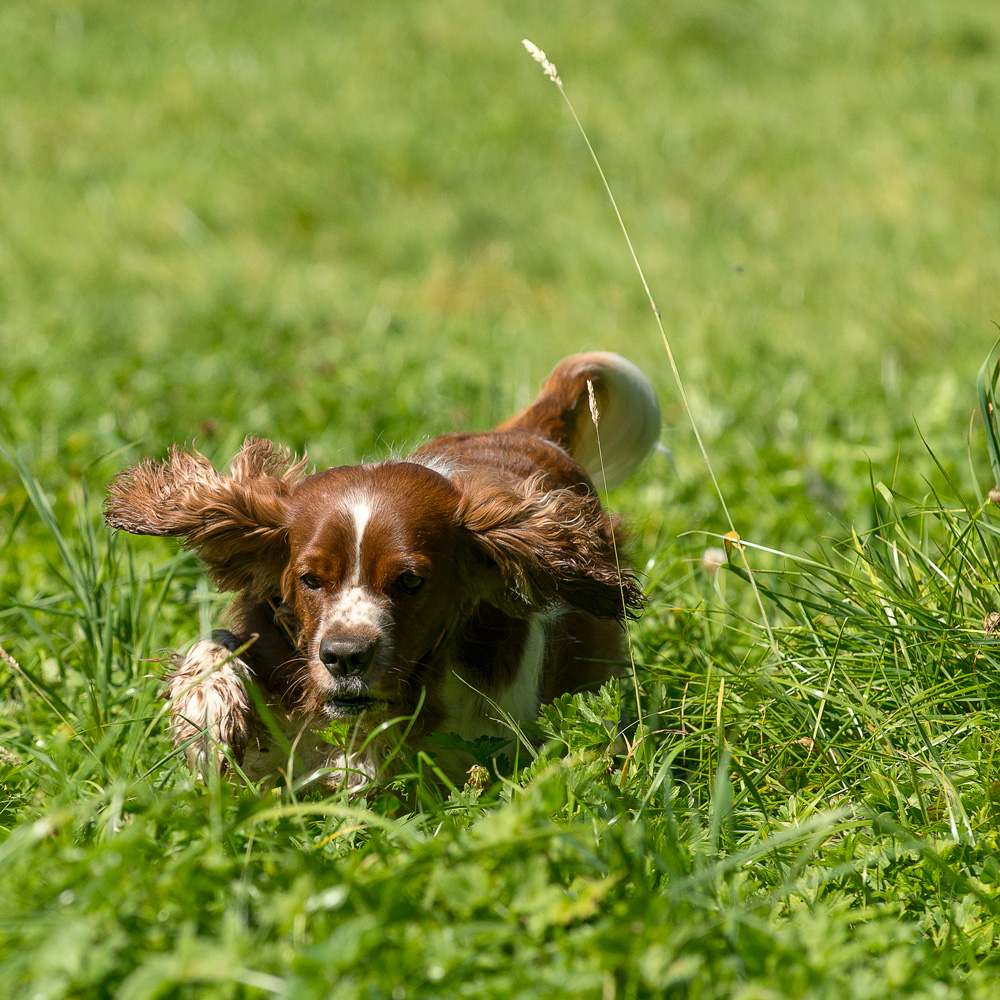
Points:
x=238, y=524
x=549, y=544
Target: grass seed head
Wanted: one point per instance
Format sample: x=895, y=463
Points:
x=539, y=56
x=595, y=413
x=9, y=660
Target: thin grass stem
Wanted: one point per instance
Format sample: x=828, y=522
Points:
x=550, y=71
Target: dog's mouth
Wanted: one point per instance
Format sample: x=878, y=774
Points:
x=351, y=708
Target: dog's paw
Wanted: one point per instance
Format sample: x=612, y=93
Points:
x=210, y=711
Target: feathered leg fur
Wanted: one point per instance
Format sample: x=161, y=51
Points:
x=210, y=705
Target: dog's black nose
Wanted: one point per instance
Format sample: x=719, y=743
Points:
x=342, y=656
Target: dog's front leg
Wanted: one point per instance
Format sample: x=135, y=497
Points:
x=210, y=707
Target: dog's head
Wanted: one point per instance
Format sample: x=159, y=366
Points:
x=376, y=567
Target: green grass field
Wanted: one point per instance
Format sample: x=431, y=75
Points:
x=348, y=227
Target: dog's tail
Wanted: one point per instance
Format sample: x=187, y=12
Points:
x=628, y=414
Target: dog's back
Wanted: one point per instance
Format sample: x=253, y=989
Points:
x=560, y=423
x=628, y=414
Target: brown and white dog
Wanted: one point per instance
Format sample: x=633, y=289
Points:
x=475, y=579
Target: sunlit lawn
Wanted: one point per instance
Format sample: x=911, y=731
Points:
x=348, y=227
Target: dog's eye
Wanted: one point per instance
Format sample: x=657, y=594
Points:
x=311, y=580
x=410, y=583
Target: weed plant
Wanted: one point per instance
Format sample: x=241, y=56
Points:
x=349, y=227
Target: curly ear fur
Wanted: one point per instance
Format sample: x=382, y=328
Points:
x=550, y=544
x=238, y=523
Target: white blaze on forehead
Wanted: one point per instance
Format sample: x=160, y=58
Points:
x=355, y=607
x=361, y=511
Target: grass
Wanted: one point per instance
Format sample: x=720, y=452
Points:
x=349, y=227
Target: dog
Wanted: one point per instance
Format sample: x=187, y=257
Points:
x=456, y=590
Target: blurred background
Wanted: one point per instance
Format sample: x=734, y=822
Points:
x=353, y=226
